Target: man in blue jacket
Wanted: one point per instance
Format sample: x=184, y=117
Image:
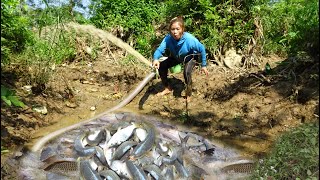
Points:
x=184, y=48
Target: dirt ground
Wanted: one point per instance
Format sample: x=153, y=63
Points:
x=245, y=109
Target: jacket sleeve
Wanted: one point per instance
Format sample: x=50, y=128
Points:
x=199, y=47
x=161, y=49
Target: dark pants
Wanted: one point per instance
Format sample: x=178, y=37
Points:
x=188, y=67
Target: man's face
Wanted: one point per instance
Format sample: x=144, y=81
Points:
x=176, y=30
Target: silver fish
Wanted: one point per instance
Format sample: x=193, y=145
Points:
x=123, y=148
x=168, y=173
x=196, y=172
x=162, y=147
x=145, y=160
x=196, y=140
x=87, y=172
x=121, y=135
x=182, y=171
x=55, y=176
x=141, y=134
x=79, y=146
x=114, y=127
x=100, y=155
x=95, y=137
x=108, y=154
x=109, y=175
x=172, y=155
x=145, y=145
x=155, y=171
x=108, y=135
x=120, y=168
x=47, y=153
x=136, y=171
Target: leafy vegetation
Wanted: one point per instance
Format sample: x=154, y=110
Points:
x=290, y=26
x=295, y=156
x=15, y=29
x=9, y=97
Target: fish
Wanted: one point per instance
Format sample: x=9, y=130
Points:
x=109, y=175
x=87, y=172
x=182, y=171
x=196, y=172
x=140, y=133
x=63, y=167
x=121, y=135
x=168, y=172
x=145, y=160
x=239, y=168
x=94, y=138
x=114, y=127
x=121, y=169
x=174, y=152
x=55, y=176
x=108, y=135
x=100, y=155
x=123, y=148
x=146, y=144
x=162, y=147
x=47, y=153
x=136, y=172
x=108, y=154
x=154, y=170
x=80, y=148
x=202, y=140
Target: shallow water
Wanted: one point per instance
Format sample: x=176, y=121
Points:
x=32, y=168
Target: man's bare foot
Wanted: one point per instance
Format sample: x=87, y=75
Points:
x=164, y=92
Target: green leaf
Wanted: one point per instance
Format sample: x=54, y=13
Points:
x=15, y=101
x=309, y=172
x=4, y=151
x=6, y=92
x=7, y=101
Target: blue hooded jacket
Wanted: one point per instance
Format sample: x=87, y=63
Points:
x=186, y=45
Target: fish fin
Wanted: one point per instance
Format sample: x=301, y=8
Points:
x=183, y=141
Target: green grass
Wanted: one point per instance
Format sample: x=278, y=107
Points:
x=294, y=156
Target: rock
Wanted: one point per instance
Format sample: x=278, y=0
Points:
x=232, y=59
x=27, y=89
x=93, y=90
x=93, y=108
x=41, y=109
x=88, y=50
x=71, y=104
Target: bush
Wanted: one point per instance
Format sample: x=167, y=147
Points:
x=290, y=26
x=38, y=58
x=15, y=30
x=295, y=156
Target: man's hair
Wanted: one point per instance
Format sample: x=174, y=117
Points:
x=178, y=19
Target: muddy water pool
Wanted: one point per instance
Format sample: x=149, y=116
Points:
x=220, y=163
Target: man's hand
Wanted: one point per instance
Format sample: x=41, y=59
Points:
x=156, y=64
x=205, y=70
